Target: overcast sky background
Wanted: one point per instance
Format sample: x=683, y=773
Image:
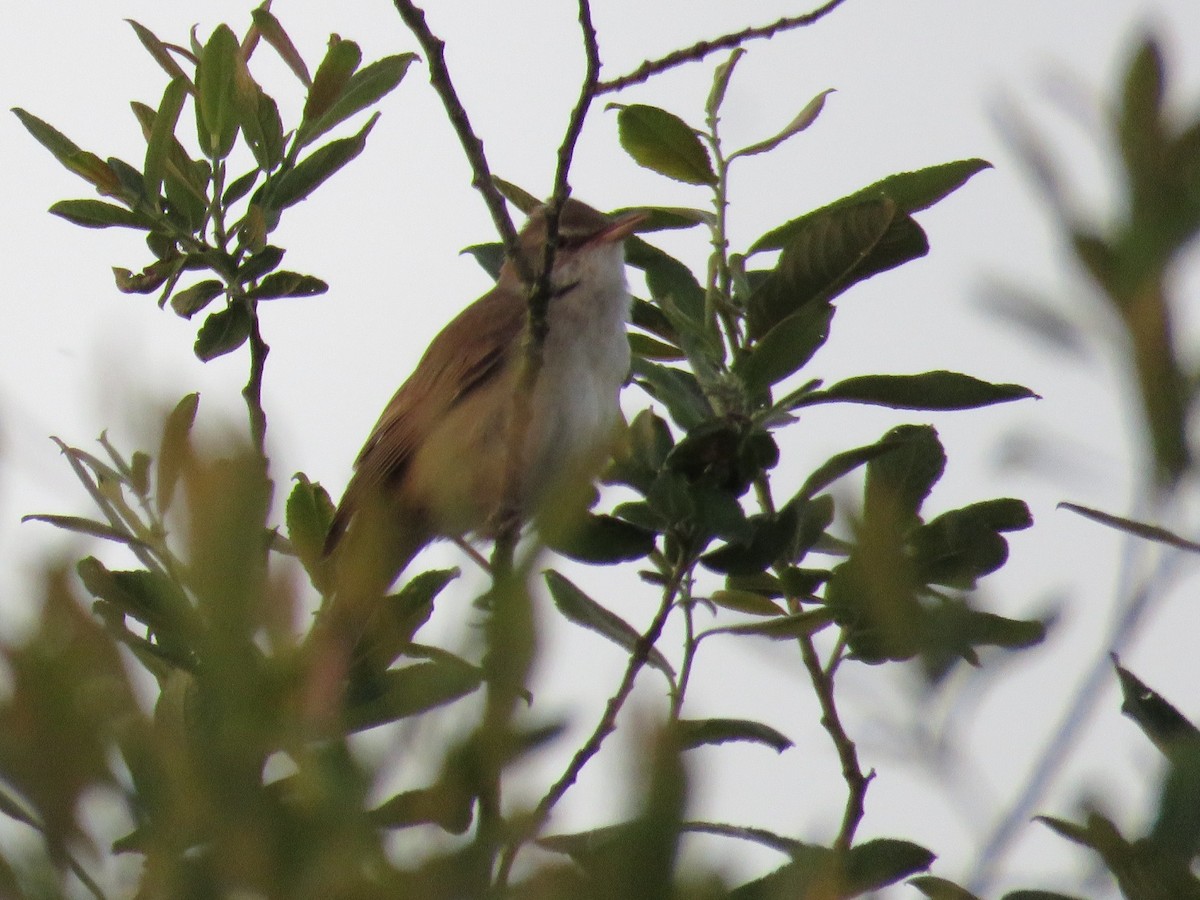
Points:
x=918, y=83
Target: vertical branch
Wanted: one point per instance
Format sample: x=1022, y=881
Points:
x=539, y=299
x=252, y=392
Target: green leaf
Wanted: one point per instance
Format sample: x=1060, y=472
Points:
x=842, y=464
x=721, y=76
x=788, y=846
x=830, y=250
x=98, y=214
x=819, y=871
x=364, y=88
x=287, y=284
x=401, y=615
x=269, y=27
x=150, y=597
x=940, y=390
x=769, y=540
x=803, y=119
x=666, y=218
x=516, y=195
x=1132, y=526
x=308, y=515
x=581, y=609
x=781, y=628
x=86, y=526
x=216, y=105
x=187, y=303
x=910, y=192
x=162, y=138
x=410, y=691
x=786, y=348
x=602, y=540
x=223, y=332
x=490, y=257
x=333, y=74
x=258, y=265
x=664, y=143
x=898, y=482
x=1159, y=720
x=699, y=732
x=748, y=602
x=649, y=348
x=175, y=448
x=961, y=546
x=84, y=164
x=677, y=389
x=157, y=49
x=940, y=889
x=296, y=184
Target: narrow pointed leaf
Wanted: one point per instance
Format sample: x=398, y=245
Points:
x=583, y=610
x=699, y=732
x=216, y=105
x=333, y=74
x=98, y=214
x=664, y=143
x=287, y=284
x=781, y=628
x=1132, y=526
x=785, y=845
x=365, y=87
x=274, y=34
x=86, y=526
x=602, y=540
x=157, y=49
x=940, y=889
x=1161, y=721
x=412, y=690
x=786, y=348
x=940, y=390
x=84, y=164
x=829, y=251
x=313, y=170
x=724, y=72
x=162, y=135
x=803, y=119
x=175, y=448
x=909, y=191
x=842, y=464
x=747, y=602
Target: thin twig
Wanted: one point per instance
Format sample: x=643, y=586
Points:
x=252, y=392
x=852, y=773
x=439, y=77
x=606, y=726
x=702, y=49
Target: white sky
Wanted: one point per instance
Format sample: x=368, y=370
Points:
x=918, y=83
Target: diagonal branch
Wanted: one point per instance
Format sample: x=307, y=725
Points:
x=439, y=77
x=702, y=49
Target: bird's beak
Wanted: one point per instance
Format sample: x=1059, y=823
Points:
x=620, y=229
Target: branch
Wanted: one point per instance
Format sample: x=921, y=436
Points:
x=702, y=49
x=539, y=302
x=439, y=77
x=252, y=392
x=606, y=726
x=852, y=773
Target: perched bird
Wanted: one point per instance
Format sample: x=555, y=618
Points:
x=435, y=464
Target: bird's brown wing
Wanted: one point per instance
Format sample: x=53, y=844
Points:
x=470, y=351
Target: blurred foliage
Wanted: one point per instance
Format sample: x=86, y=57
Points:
x=241, y=779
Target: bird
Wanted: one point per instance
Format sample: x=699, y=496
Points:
x=436, y=463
